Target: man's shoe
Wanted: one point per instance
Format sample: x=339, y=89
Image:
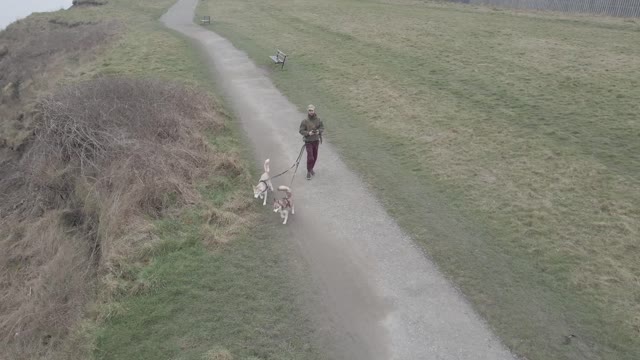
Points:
x=313, y=173
x=308, y=176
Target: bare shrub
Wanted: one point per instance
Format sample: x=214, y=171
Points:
x=47, y=278
x=106, y=155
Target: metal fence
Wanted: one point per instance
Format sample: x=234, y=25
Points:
x=622, y=8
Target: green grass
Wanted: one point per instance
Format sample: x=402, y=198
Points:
x=505, y=143
x=143, y=46
x=205, y=285
x=234, y=298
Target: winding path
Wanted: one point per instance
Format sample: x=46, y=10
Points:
x=379, y=296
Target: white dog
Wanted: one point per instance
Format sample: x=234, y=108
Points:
x=285, y=204
x=261, y=190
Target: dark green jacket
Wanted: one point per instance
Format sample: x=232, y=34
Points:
x=309, y=124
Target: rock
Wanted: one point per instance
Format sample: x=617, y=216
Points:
x=6, y=93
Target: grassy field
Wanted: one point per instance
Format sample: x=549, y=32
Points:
x=506, y=143
x=233, y=299
x=204, y=285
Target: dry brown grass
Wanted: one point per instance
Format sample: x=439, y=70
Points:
x=218, y=354
x=32, y=54
x=107, y=155
x=219, y=226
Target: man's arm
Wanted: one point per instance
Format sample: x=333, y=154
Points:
x=303, y=128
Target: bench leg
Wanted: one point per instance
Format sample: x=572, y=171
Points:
x=282, y=67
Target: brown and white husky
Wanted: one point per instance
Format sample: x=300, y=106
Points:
x=284, y=205
x=263, y=187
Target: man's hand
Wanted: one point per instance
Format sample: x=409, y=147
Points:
x=311, y=132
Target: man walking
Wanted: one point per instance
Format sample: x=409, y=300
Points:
x=311, y=129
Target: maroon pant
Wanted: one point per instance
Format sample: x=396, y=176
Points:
x=312, y=153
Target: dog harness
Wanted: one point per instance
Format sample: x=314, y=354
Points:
x=285, y=203
x=266, y=187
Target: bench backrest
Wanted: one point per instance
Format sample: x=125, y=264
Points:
x=280, y=55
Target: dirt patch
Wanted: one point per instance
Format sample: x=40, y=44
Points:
x=71, y=24
x=79, y=3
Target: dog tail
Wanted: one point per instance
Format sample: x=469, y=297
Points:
x=266, y=165
x=285, y=189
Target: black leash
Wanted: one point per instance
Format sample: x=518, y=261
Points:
x=292, y=166
x=296, y=170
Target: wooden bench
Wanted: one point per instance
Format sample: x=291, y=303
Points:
x=279, y=58
x=205, y=20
